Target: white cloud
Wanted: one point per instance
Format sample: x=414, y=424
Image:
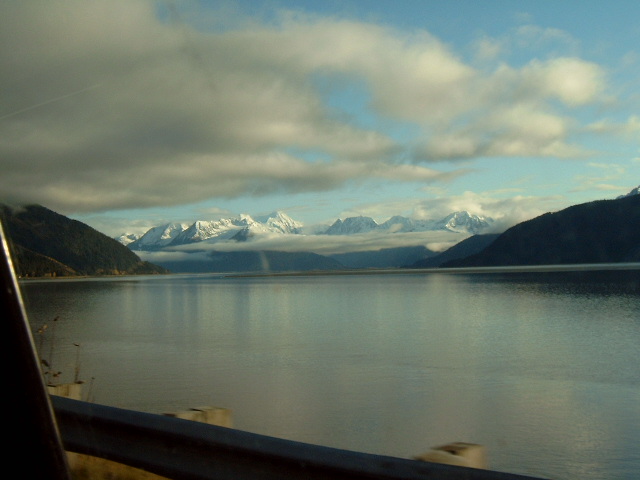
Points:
x=323, y=244
x=513, y=115
x=106, y=106
x=603, y=178
x=488, y=49
x=519, y=130
x=506, y=212
x=629, y=128
x=571, y=80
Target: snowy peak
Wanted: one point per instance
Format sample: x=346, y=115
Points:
x=239, y=228
x=635, y=191
x=352, y=225
x=127, y=238
x=245, y=228
x=465, y=222
x=281, y=222
x=158, y=237
x=460, y=222
x=274, y=223
x=222, y=229
x=398, y=224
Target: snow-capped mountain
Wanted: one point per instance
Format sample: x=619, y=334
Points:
x=352, y=225
x=398, y=224
x=279, y=221
x=157, y=237
x=461, y=222
x=202, y=230
x=238, y=228
x=465, y=222
x=245, y=228
x=127, y=238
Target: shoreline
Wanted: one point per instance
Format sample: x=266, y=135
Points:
x=493, y=269
x=589, y=267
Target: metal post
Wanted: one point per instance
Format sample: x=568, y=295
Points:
x=33, y=446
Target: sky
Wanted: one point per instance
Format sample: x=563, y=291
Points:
x=131, y=114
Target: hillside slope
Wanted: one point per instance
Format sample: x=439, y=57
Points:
x=602, y=231
x=463, y=249
x=45, y=243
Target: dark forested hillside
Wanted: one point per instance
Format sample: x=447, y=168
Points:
x=602, y=231
x=383, y=258
x=45, y=243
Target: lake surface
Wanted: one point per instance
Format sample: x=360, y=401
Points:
x=541, y=368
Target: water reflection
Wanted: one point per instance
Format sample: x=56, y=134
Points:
x=541, y=369
x=575, y=282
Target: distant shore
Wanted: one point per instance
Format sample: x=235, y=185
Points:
x=465, y=270
x=378, y=271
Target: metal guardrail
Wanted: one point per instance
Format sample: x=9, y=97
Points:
x=184, y=449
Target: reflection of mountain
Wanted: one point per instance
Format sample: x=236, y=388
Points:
x=48, y=244
x=596, y=232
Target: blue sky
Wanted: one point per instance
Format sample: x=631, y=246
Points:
x=131, y=114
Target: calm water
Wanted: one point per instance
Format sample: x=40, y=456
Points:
x=541, y=369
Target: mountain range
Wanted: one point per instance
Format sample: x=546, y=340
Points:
x=593, y=232
x=203, y=246
x=46, y=243
x=245, y=228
